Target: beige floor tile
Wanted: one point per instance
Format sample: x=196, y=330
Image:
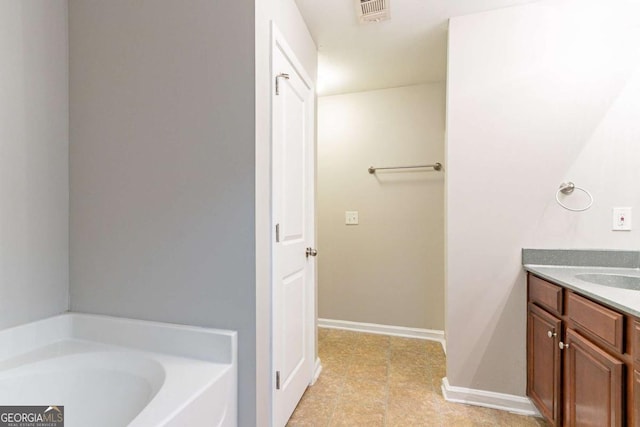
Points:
x=438, y=370
x=408, y=358
x=373, y=380
x=399, y=416
x=408, y=344
x=462, y=420
x=307, y=423
x=374, y=339
x=507, y=419
x=409, y=375
x=333, y=370
x=333, y=360
x=370, y=352
x=351, y=414
x=435, y=382
x=435, y=351
x=412, y=397
x=364, y=392
x=338, y=348
x=328, y=386
x=312, y=411
x=371, y=371
x=323, y=333
x=455, y=414
x=372, y=347
x=436, y=360
x=434, y=346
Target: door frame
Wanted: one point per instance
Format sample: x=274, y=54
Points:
x=278, y=42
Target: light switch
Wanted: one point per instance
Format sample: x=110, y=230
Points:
x=351, y=217
x=621, y=219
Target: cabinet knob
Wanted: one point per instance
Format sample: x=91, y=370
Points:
x=563, y=345
x=551, y=334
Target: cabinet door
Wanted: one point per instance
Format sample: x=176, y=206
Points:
x=593, y=385
x=636, y=393
x=543, y=362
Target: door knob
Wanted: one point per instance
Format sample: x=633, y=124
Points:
x=551, y=334
x=563, y=345
x=311, y=252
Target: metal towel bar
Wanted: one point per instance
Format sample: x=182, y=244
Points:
x=435, y=166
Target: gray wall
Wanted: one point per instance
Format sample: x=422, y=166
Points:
x=162, y=155
x=34, y=139
x=389, y=269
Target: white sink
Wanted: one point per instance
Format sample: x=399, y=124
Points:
x=612, y=280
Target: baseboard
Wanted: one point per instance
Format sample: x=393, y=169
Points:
x=316, y=371
x=374, y=328
x=506, y=402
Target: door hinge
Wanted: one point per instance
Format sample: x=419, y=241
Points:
x=277, y=380
x=277, y=233
x=278, y=77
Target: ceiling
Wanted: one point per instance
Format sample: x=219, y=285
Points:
x=410, y=48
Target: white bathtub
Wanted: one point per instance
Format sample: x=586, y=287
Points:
x=109, y=371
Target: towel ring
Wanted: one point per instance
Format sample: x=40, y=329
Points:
x=567, y=188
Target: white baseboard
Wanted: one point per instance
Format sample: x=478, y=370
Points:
x=506, y=402
x=374, y=328
x=316, y=371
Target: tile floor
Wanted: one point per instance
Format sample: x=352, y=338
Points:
x=376, y=380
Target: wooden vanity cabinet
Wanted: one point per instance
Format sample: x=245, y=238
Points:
x=583, y=359
x=635, y=339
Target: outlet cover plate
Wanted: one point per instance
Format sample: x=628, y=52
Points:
x=621, y=219
x=351, y=217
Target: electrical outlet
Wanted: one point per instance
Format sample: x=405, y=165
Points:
x=621, y=219
x=351, y=217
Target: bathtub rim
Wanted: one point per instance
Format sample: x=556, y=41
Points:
x=192, y=342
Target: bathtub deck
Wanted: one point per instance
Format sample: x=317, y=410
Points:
x=110, y=372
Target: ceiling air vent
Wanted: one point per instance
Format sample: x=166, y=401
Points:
x=372, y=10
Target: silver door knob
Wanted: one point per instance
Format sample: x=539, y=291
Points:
x=551, y=334
x=563, y=345
x=311, y=252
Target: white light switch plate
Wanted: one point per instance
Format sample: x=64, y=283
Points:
x=621, y=219
x=351, y=217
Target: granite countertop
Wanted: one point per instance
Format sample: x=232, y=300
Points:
x=562, y=267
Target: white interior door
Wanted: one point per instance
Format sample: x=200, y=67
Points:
x=293, y=221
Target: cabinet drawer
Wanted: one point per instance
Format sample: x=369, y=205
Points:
x=597, y=321
x=545, y=294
